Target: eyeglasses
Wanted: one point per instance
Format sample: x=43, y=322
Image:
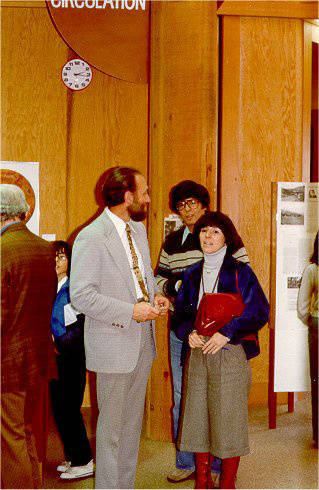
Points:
x=191, y=203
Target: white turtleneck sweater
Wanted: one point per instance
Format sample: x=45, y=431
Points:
x=212, y=265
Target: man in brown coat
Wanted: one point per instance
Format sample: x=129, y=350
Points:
x=28, y=283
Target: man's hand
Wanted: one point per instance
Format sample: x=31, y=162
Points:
x=143, y=312
x=215, y=343
x=161, y=303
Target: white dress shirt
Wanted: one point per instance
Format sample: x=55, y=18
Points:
x=61, y=282
x=120, y=226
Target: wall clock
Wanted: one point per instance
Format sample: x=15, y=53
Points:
x=76, y=74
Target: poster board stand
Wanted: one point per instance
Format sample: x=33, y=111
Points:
x=294, y=224
x=272, y=395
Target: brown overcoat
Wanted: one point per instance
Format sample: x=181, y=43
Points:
x=28, y=288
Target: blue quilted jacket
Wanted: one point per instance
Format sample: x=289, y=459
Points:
x=253, y=318
x=68, y=338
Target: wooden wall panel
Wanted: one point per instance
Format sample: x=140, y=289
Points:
x=108, y=126
x=34, y=106
x=23, y=3
x=183, y=127
x=74, y=136
x=303, y=9
x=307, y=98
x=261, y=133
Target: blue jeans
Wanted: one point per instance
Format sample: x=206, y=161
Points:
x=184, y=459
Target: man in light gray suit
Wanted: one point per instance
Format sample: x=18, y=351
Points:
x=112, y=283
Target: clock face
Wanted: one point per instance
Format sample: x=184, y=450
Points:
x=76, y=74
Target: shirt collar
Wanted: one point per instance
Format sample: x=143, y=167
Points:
x=61, y=282
x=119, y=223
x=185, y=234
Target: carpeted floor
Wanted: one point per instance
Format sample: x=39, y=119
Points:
x=279, y=458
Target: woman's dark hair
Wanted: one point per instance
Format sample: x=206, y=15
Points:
x=61, y=247
x=314, y=257
x=187, y=189
x=118, y=180
x=225, y=224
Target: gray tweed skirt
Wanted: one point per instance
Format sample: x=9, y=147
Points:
x=215, y=412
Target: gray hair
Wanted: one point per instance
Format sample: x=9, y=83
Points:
x=13, y=202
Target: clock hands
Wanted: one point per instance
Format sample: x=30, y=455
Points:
x=76, y=74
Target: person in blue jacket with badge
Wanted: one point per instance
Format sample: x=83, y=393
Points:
x=67, y=392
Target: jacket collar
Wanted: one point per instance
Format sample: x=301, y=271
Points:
x=228, y=265
x=65, y=283
x=13, y=227
x=115, y=247
x=195, y=281
x=229, y=262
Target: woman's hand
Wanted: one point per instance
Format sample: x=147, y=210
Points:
x=195, y=340
x=214, y=344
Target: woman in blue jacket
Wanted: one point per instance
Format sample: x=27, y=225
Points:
x=215, y=414
x=68, y=390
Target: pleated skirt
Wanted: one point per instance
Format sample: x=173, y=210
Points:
x=215, y=411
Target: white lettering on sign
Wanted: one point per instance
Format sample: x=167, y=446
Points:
x=100, y=4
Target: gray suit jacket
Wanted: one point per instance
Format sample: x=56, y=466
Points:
x=102, y=287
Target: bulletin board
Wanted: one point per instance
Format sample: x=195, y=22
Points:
x=294, y=226
x=26, y=176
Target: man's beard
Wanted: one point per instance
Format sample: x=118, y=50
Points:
x=137, y=212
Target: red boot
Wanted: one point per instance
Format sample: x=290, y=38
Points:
x=202, y=467
x=229, y=472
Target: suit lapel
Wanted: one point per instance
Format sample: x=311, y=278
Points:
x=117, y=251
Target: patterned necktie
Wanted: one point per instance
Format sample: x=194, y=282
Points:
x=136, y=268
